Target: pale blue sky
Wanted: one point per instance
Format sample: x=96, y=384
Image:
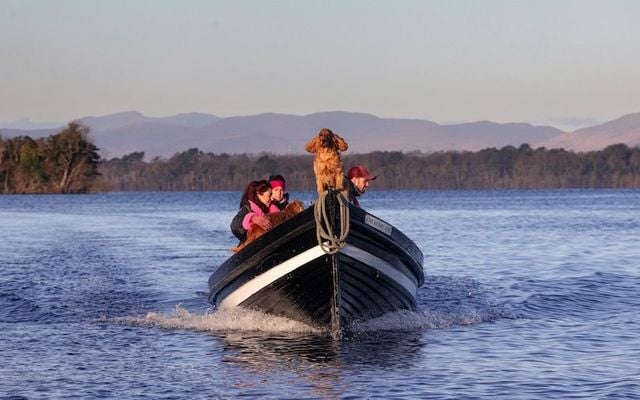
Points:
x=447, y=61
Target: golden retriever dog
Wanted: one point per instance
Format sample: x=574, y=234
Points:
x=327, y=165
x=276, y=218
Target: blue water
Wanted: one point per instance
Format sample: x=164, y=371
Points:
x=529, y=295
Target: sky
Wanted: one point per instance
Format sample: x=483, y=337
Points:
x=557, y=62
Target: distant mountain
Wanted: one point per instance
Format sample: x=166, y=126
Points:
x=625, y=129
x=483, y=134
x=133, y=118
x=284, y=133
x=126, y=132
x=114, y=121
x=190, y=120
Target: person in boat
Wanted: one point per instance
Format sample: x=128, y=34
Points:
x=254, y=206
x=358, y=179
x=279, y=196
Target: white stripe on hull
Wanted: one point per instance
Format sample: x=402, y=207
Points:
x=256, y=284
x=382, y=266
x=261, y=281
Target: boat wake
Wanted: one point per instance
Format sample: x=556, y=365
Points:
x=422, y=320
x=231, y=320
x=254, y=321
x=433, y=313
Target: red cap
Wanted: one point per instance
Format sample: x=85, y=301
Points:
x=277, y=183
x=360, y=171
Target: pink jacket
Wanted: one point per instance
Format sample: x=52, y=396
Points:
x=255, y=210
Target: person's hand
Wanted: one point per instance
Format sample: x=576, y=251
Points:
x=261, y=221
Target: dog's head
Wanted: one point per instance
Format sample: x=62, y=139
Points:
x=328, y=140
x=294, y=207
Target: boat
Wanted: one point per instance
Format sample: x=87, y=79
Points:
x=329, y=266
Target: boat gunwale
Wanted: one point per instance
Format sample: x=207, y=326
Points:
x=252, y=255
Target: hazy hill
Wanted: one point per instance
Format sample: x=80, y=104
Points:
x=625, y=129
x=283, y=133
x=126, y=132
x=191, y=120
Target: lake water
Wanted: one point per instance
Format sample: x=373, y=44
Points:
x=529, y=295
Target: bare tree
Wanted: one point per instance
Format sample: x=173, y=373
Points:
x=71, y=159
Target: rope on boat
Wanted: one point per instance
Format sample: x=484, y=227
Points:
x=329, y=243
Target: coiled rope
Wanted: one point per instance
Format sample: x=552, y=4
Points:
x=330, y=243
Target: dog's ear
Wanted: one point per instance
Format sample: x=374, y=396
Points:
x=341, y=144
x=312, y=145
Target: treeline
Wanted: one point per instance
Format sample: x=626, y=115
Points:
x=617, y=166
x=63, y=163
x=68, y=162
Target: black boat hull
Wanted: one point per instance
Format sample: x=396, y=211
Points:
x=286, y=272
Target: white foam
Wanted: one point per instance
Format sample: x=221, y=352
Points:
x=418, y=320
x=234, y=319
x=240, y=319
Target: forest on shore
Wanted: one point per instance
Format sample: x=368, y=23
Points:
x=68, y=162
x=616, y=166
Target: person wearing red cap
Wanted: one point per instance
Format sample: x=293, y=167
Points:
x=358, y=180
x=279, y=197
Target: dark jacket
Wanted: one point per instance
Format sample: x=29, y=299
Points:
x=354, y=193
x=283, y=203
x=236, y=223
